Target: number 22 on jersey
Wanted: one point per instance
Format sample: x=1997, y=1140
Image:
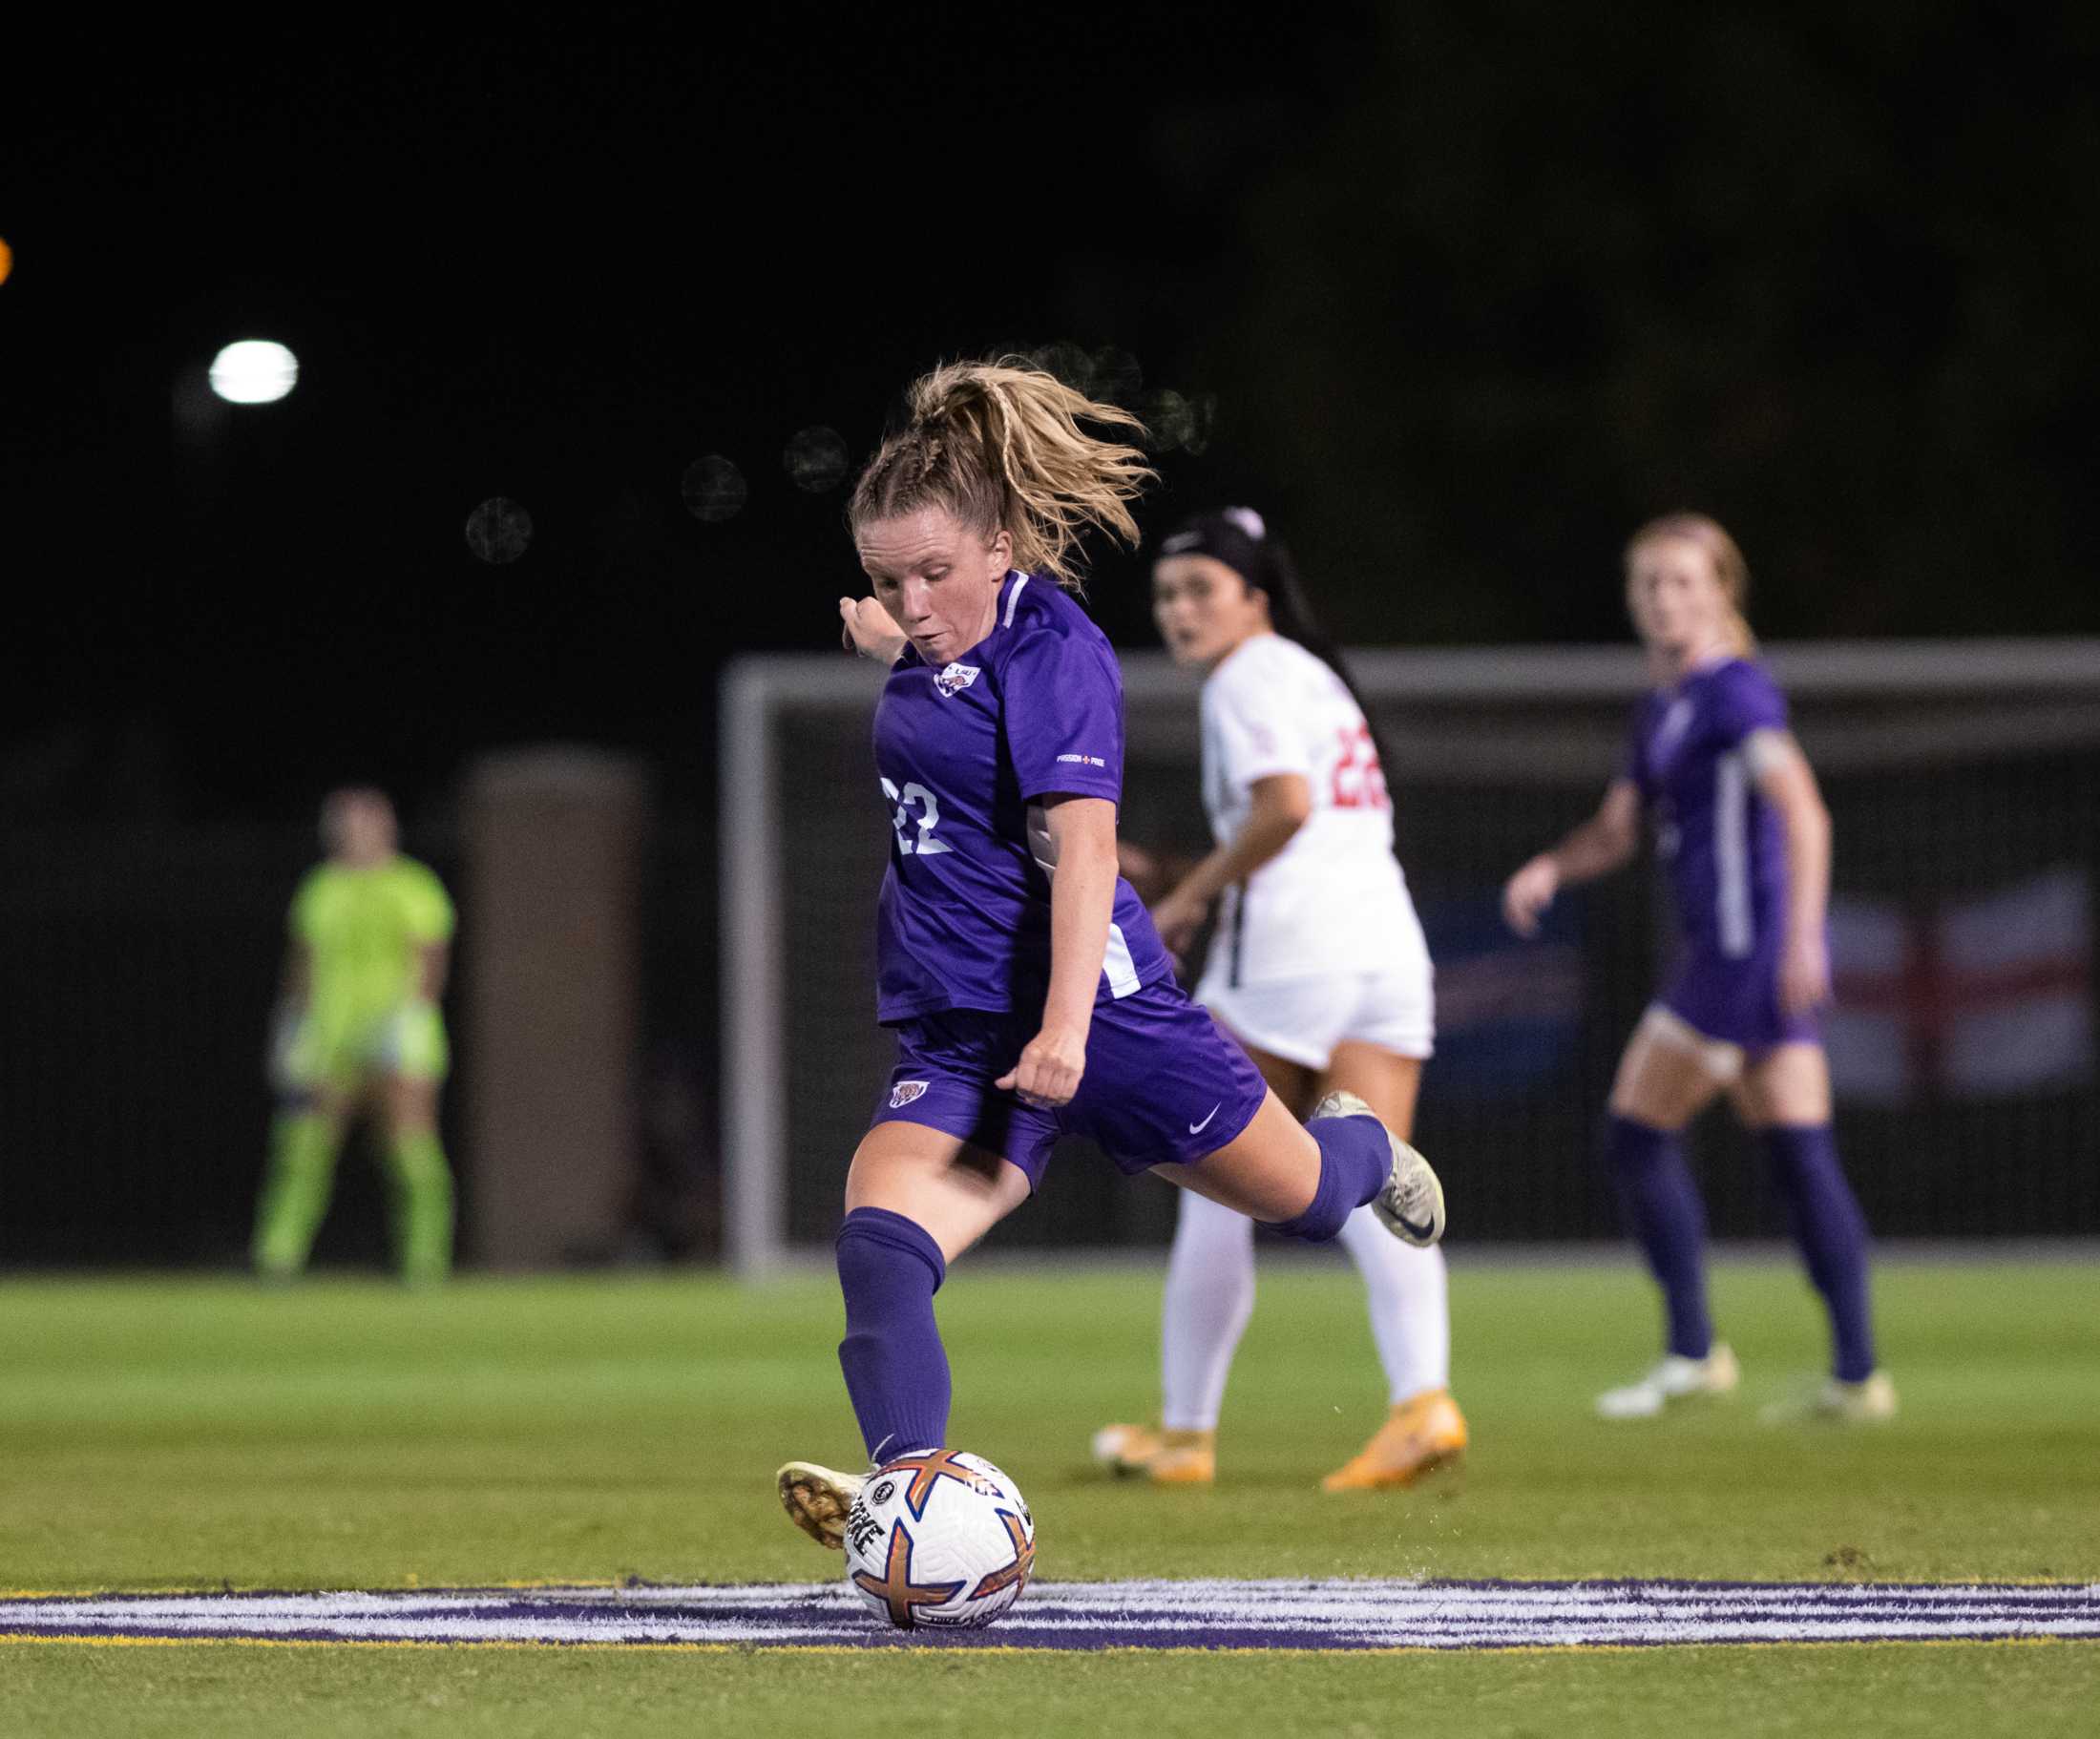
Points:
x=916, y=797
x=1359, y=781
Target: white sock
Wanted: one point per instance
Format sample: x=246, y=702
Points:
x=1410, y=1305
x=1210, y=1296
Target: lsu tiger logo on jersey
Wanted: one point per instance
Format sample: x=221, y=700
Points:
x=956, y=678
x=905, y=1092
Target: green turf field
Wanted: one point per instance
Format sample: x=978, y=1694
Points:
x=199, y=1433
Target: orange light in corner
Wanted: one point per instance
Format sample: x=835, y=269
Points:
x=7, y=259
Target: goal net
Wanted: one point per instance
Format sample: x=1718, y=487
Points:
x=1964, y=778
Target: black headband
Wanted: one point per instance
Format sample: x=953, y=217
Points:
x=1234, y=535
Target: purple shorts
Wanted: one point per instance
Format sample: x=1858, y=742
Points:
x=1736, y=1001
x=1163, y=1085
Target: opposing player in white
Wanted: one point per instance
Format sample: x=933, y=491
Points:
x=1318, y=968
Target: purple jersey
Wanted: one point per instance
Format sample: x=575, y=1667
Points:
x=1725, y=847
x=966, y=754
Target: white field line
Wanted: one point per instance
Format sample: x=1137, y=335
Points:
x=1207, y=1613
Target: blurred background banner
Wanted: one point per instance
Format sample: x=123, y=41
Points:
x=1508, y=1011
x=1984, y=998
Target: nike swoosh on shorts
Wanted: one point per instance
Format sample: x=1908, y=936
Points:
x=1199, y=1128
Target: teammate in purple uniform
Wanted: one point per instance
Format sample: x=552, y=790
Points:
x=1029, y=994
x=1742, y=826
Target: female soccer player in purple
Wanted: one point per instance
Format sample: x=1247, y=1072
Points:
x=1742, y=826
x=1029, y=994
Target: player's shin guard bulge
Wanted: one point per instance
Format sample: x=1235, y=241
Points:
x=1664, y=1210
x=897, y=1370
x=1832, y=1234
x=295, y=1193
x=422, y=1209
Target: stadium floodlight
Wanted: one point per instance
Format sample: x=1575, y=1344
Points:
x=254, y=371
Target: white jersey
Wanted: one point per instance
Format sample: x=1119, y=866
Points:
x=1334, y=900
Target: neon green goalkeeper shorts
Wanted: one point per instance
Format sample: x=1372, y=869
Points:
x=408, y=1042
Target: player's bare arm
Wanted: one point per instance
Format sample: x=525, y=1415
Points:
x=1279, y=805
x=1605, y=843
x=1785, y=780
x=433, y=965
x=1083, y=895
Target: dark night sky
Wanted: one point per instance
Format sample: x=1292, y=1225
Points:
x=1473, y=291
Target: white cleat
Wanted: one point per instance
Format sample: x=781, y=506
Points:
x=1411, y=1205
x=1870, y=1401
x=816, y=1499
x=1676, y=1378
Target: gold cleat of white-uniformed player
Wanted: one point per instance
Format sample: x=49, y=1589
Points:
x=1420, y=1435
x=816, y=1499
x=1870, y=1401
x=1411, y=1205
x=1125, y=1450
x=1675, y=1379
x=1165, y=1457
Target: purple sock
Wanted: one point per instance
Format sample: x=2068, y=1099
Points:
x=897, y=1370
x=1662, y=1203
x=1355, y=1160
x=1833, y=1235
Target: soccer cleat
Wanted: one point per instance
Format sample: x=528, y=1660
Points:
x=816, y=1499
x=1185, y=1457
x=1676, y=1378
x=1411, y=1205
x=1420, y=1435
x=1125, y=1449
x=1870, y=1401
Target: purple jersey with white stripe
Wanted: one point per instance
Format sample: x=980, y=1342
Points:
x=966, y=753
x=1725, y=847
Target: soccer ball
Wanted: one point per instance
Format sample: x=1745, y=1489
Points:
x=941, y=1538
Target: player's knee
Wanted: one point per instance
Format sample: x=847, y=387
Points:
x=876, y=1250
x=1633, y=1146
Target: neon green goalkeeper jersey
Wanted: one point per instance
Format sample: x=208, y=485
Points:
x=365, y=930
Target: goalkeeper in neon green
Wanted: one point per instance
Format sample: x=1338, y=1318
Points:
x=359, y=1031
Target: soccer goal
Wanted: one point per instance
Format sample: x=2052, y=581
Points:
x=1964, y=783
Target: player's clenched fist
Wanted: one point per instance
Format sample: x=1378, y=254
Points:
x=868, y=630
x=1048, y=1073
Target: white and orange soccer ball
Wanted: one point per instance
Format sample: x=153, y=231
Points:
x=941, y=1538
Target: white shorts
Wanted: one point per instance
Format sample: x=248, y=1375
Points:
x=1303, y=1020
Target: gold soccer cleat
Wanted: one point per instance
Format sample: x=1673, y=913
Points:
x=1166, y=1457
x=1185, y=1457
x=1421, y=1434
x=816, y=1499
x=1411, y=1205
x=1125, y=1449
x=1674, y=1378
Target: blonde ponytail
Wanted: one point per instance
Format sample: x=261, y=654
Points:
x=998, y=445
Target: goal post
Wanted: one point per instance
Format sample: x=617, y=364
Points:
x=1964, y=778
